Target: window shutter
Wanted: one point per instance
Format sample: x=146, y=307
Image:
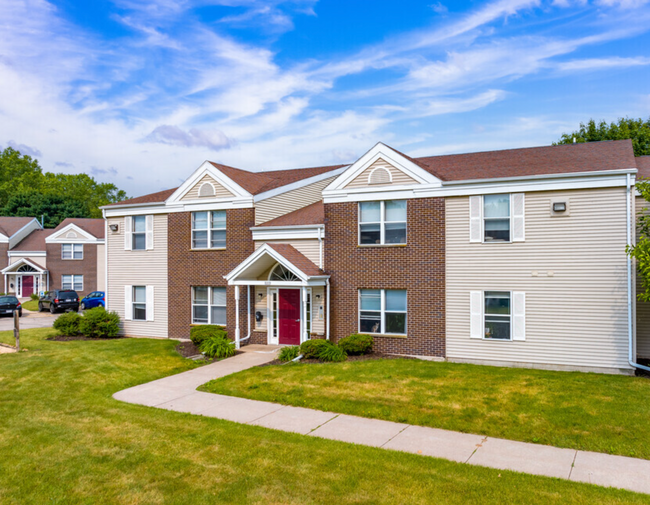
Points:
x=518, y=315
x=518, y=226
x=476, y=314
x=128, y=303
x=149, y=236
x=128, y=233
x=149, y=303
x=475, y=218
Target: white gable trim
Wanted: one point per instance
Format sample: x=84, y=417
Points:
x=299, y=184
x=22, y=261
x=19, y=235
x=207, y=168
x=60, y=236
x=392, y=157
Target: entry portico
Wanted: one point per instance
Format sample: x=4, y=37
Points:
x=25, y=277
x=289, y=279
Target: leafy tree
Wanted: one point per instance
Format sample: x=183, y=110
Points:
x=25, y=190
x=636, y=129
x=641, y=251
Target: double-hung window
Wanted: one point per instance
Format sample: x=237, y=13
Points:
x=139, y=303
x=208, y=305
x=382, y=311
x=139, y=238
x=497, y=315
x=72, y=251
x=497, y=218
x=74, y=282
x=209, y=229
x=382, y=222
x=496, y=214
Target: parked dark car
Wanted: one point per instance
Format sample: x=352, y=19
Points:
x=9, y=304
x=94, y=299
x=59, y=299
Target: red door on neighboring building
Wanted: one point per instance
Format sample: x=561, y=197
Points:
x=28, y=285
x=289, y=316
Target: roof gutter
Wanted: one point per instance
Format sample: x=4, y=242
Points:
x=620, y=171
x=630, y=328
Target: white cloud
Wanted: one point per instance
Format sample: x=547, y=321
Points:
x=602, y=63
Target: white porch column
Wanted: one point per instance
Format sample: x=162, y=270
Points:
x=5, y=283
x=237, y=317
x=304, y=315
x=327, y=328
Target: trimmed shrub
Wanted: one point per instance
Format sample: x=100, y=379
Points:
x=217, y=346
x=201, y=332
x=311, y=349
x=67, y=324
x=33, y=297
x=332, y=353
x=97, y=323
x=357, y=344
x=288, y=353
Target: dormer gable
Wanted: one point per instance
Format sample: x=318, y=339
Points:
x=71, y=234
x=207, y=184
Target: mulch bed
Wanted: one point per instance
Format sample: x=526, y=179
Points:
x=189, y=350
x=63, y=338
x=363, y=357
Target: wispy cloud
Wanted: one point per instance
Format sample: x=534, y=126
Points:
x=24, y=149
x=174, y=136
x=602, y=63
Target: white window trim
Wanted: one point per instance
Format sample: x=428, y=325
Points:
x=73, y=279
x=134, y=303
x=209, y=305
x=383, y=312
x=511, y=217
x=133, y=233
x=517, y=316
x=382, y=224
x=72, y=251
x=210, y=229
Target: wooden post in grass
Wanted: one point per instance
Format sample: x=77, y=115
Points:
x=17, y=329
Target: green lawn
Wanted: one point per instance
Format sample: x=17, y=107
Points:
x=30, y=305
x=595, y=412
x=64, y=440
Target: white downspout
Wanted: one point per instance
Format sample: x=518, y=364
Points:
x=236, y=317
x=630, y=329
x=327, y=326
x=248, y=320
x=320, y=249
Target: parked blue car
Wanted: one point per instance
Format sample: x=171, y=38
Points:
x=94, y=299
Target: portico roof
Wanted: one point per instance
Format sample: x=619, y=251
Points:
x=24, y=262
x=248, y=272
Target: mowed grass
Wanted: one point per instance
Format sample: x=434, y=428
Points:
x=30, y=305
x=65, y=440
x=595, y=412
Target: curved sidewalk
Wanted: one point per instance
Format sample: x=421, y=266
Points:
x=179, y=393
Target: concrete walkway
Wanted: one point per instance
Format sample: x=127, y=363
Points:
x=178, y=393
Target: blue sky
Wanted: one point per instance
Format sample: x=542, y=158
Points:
x=140, y=93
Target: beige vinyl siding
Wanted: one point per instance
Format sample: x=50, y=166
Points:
x=575, y=306
x=101, y=267
x=139, y=268
x=309, y=247
x=219, y=190
x=399, y=178
x=642, y=308
x=318, y=325
x=295, y=199
x=39, y=260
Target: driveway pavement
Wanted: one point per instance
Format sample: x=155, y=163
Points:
x=179, y=393
x=29, y=320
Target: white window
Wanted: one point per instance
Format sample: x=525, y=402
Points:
x=498, y=315
x=138, y=303
x=75, y=282
x=382, y=222
x=138, y=233
x=497, y=218
x=72, y=251
x=209, y=229
x=209, y=305
x=382, y=311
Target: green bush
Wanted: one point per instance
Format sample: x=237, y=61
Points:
x=288, y=353
x=217, y=346
x=332, y=353
x=356, y=344
x=201, y=332
x=67, y=324
x=97, y=323
x=33, y=297
x=311, y=349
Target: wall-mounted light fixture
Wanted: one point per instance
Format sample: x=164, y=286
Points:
x=317, y=297
x=114, y=227
x=260, y=295
x=559, y=206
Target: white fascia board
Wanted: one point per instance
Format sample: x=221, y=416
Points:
x=299, y=184
x=71, y=227
x=23, y=261
x=4, y=239
x=287, y=232
x=265, y=249
x=492, y=187
x=214, y=204
x=568, y=175
x=23, y=232
x=27, y=253
x=206, y=168
x=314, y=281
x=393, y=158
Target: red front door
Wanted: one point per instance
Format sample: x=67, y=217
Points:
x=289, y=316
x=28, y=285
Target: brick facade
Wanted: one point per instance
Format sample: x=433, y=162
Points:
x=86, y=267
x=418, y=267
x=4, y=257
x=189, y=268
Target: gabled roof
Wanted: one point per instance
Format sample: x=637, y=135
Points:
x=312, y=214
x=530, y=161
x=158, y=197
x=93, y=226
x=10, y=224
x=297, y=258
x=643, y=166
x=23, y=261
x=35, y=241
